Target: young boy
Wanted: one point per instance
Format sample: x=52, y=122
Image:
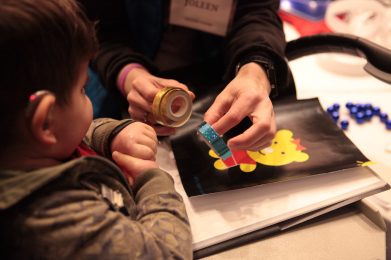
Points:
x=56, y=203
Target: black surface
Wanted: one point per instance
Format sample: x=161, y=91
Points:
x=327, y=146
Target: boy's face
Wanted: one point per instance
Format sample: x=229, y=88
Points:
x=74, y=118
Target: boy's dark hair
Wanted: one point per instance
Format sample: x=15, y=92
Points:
x=42, y=45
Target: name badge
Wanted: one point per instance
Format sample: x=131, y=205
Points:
x=212, y=16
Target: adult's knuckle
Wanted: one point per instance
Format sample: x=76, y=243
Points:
x=172, y=82
x=234, y=117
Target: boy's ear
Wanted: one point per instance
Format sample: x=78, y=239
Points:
x=41, y=123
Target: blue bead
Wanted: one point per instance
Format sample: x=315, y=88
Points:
x=383, y=116
x=360, y=120
x=330, y=110
x=361, y=107
x=368, y=106
x=336, y=106
x=344, y=124
x=368, y=114
x=376, y=110
x=335, y=115
x=388, y=124
x=353, y=110
x=348, y=105
x=360, y=117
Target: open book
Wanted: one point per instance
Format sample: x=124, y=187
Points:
x=226, y=219
x=228, y=206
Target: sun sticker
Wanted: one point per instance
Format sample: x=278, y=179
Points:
x=284, y=150
x=360, y=163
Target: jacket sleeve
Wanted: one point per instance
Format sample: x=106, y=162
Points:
x=257, y=31
x=77, y=223
x=115, y=40
x=101, y=133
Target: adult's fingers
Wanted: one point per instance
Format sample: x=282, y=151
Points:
x=262, y=131
x=146, y=87
x=174, y=83
x=137, y=101
x=137, y=113
x=218, y=109
x=232, y=115
x=256, y=137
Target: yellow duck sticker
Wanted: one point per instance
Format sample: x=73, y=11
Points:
x=284, y=150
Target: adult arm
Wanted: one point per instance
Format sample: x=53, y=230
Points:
x=256, y=35
x=257, y=31
x=116, y=48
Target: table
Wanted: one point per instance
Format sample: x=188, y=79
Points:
x=343, y=234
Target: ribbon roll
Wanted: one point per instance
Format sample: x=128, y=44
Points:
x=214, y=141
x=172, y=107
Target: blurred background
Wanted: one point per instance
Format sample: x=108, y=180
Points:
x=369, y=19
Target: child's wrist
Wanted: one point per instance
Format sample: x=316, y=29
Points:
x=124, y=73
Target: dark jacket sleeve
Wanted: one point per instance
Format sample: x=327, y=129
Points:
x=115, y=40
x=67, y=221
x=257, y=31
x=102, y=131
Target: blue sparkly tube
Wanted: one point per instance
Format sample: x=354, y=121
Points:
x=214, y=141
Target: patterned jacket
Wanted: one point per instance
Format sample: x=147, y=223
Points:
x=85, y=209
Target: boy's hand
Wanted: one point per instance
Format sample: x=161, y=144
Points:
x=133, y=166
x=138, y=140
x=134, y=149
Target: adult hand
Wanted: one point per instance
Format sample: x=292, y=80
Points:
x=137, y=140
x=246, y=95
x=141, y=88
